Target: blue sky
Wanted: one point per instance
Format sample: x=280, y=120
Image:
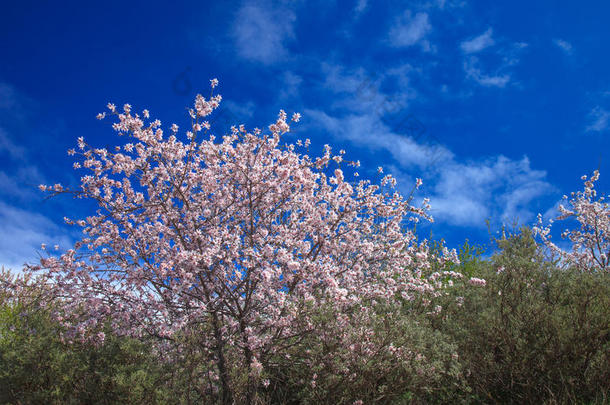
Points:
x=499, y=106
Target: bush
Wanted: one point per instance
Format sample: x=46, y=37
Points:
x=535, y=333
x=36, y=367
x=387, y=356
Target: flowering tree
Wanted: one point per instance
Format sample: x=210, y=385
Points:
x=22, y=288
x=241, y=237
x=591, y=242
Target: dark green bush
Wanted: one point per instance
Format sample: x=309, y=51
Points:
x=535, y=333
x=37, y=368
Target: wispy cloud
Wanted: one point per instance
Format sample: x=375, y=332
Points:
x=469, y=193
x=445, y=4
x=8, y=96
x=411, y=29
x=599, y=120
x=473, y=71
x=21, y=184
x=509, y=54
x=369, y=131
x=563, y=45
x=13, y=103
x=9, y=147
x=358, y=91
x=22, y=233
x=477, y=44
x=261, y=31
x=464, y=193
x=361, y=6
x=291, y=83
x=18, y=179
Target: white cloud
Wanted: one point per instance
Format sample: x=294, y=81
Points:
x=9, y=147
x=467, y=194
x=479, y=43
x=368, y=130
x=22, y=233
x=8, y=96
x=291, y=83
x=19, y=179
x=261, y=31
x=359, y=92
x=563, y=45
x=401, y=75
x=509, y=54
x=463, y=193
x=22, y=184
x=445, y=4
x=409, y=30
x=553, y=212
x=13, y=102
x=239, y=111
x=512, y=54
x=599, y=120
x=360, y=8
x=339, y=81
x=474, y=72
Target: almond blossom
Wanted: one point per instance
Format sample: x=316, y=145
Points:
x=240, y=236
x=590, y=243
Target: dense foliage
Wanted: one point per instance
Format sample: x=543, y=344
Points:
x=244, y=271
x=534, y=334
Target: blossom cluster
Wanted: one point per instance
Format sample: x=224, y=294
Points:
x=590, y=242
x=243, y=235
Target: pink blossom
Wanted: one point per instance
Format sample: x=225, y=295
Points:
x=590, y=243
x=245, y=234
x=477, y=282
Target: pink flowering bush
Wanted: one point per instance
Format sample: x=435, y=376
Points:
x=38, y=368
x=590, y=244
x=378, y=353
x=243, y=238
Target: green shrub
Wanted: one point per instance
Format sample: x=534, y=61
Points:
x=535, y=333
x=341, y=368
x=36, y=367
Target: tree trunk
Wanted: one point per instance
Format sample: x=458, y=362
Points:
x=226, y=395
x=250, y=389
